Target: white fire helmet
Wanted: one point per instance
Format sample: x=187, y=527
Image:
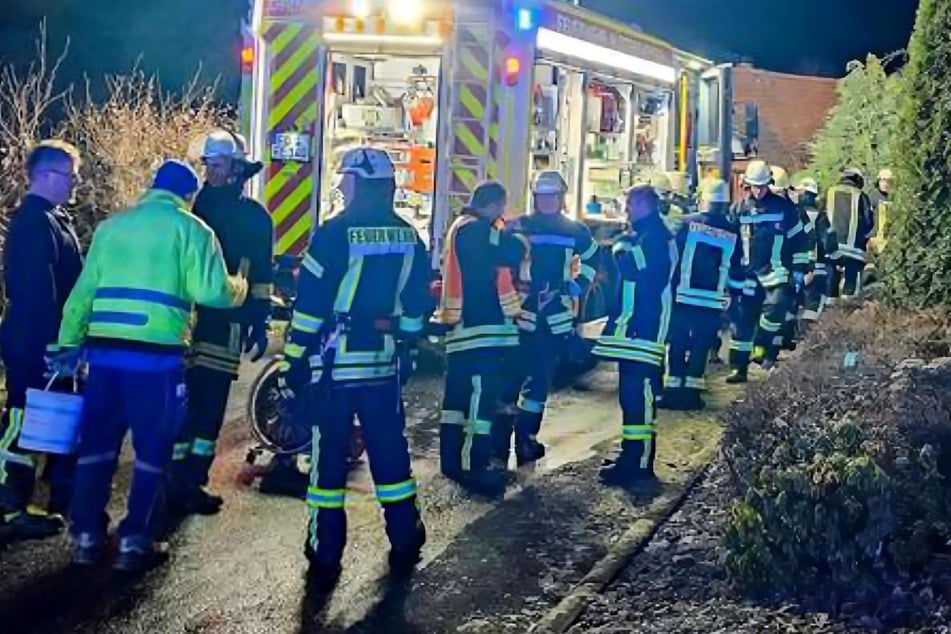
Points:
x=758, y=173
x=549, y=182
x=223, y=144
x=715, y=190
x=809, y=185
x=367, y=162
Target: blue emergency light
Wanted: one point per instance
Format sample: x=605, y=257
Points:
x=525, y=19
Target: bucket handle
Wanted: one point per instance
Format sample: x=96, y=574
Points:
x=55, y=376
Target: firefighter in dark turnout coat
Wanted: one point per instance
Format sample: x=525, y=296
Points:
x=480, y=303
x=547, y=316
x=41, y=262
x=362, y=294
x=775, y=259
x=244, y=229
x=636, y=333
x=853, y=220
x=826, y=246
x=710, y=265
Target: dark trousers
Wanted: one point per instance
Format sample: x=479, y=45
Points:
x=17, y=467
x=846, y=282
x=473, y=389
x=816, y=295
x=758, y=321
x=539, y=354
x=150, y=403
x=638, y=387
x=379, y=407
x=194, y=449
x=693, y=331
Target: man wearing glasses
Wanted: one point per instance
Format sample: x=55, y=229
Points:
x=41, y=262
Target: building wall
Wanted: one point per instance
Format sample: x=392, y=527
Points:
x=792, y=108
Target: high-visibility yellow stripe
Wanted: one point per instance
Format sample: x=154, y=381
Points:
x=467, y=175
x=306, y=54
x=305, y=88
x=468, y=139
x=276, y=183
x=473, y=65
x=289, y=204
x=284, y=38
x=300, y=228
x=475, y=107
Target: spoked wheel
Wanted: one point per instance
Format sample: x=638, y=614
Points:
x=272, y=419
x=272, y=422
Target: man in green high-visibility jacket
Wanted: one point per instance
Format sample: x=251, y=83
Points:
x=131, y=311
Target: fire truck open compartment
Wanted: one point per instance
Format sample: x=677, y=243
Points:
x=389, y=101
x=601, y=131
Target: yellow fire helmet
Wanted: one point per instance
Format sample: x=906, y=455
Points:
x=757, y=173
x=809, y=185
x=780, y=178
x=715, y=190
x=660, y=182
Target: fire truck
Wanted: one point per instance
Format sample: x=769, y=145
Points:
x=463, y=91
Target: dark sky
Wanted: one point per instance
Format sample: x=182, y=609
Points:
x=174, y=36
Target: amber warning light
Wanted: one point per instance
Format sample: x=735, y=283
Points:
x=511, y=70
x=247, y=57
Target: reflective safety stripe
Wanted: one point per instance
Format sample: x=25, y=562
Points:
x=140, y=465
x=769, y=326
x=741, y=346
x=530, y=405
x=630, y=350
x=673, y=382
x=462, y=338
x=202, y=361
x=312, y=266
x=649, y=404
x=549, y=239
x=802, y=258
x=348, y=286
x=306, y=323
x=696, y=383
x=394, y=493
x=12, y=433
x=203, y=447
x=411, y=324
x=480, y=427
x=588, y=272
x=628, y=295
x=757, y=218
x=796, y=230
x=293, y=351
x=143, y=295
x=118, y=317
x=638, y=432
x=590, y=251
x=452, y=417
x=180, y=450
x=326, y=498
x=16, y=458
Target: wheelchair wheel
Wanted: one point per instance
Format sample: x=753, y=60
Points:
x=271, y=425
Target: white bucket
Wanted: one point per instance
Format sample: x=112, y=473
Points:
x=51, y=421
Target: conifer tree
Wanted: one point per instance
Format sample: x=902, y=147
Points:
x=917, y=263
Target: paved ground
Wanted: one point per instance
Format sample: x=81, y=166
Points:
x=489, y=566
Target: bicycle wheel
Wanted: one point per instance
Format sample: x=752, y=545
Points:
x=272, y=420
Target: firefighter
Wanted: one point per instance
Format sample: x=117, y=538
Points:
x=244, y=230
x=636, y=331
x=547, y=317
x=710, y=265
x=771, y=235
x=671, y=209
x=480, y=303
x=41, y=261
x=853, y=220
x=880, y=197
x=783, y=188
x=363, y=289
x=130, y=310
x=826, y=246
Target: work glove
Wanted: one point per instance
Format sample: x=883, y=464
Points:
x=63, y=362
x=256, y=341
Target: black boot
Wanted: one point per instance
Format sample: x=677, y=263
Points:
x=528, y=450
x=284, y=478
x=482, y=478
x=26, y=525
x=671, y=399
x=403, y=560
x=691, y=400
x=502, y=430
x=451, y=439
x=629, y=470
x=194, y=501
x=737, y=377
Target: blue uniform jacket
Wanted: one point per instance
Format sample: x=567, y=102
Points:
x=41, y=261
x=646, y=259
x=711, y=261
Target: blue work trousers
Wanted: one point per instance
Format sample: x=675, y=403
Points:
x=152, y=404
x=539, y=355
x=379, y=408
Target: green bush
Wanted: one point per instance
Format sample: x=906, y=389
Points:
x=917, y=260
x=859, y=129
x=843, y=474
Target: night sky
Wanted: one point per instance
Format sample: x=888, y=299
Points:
x=172, y=37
